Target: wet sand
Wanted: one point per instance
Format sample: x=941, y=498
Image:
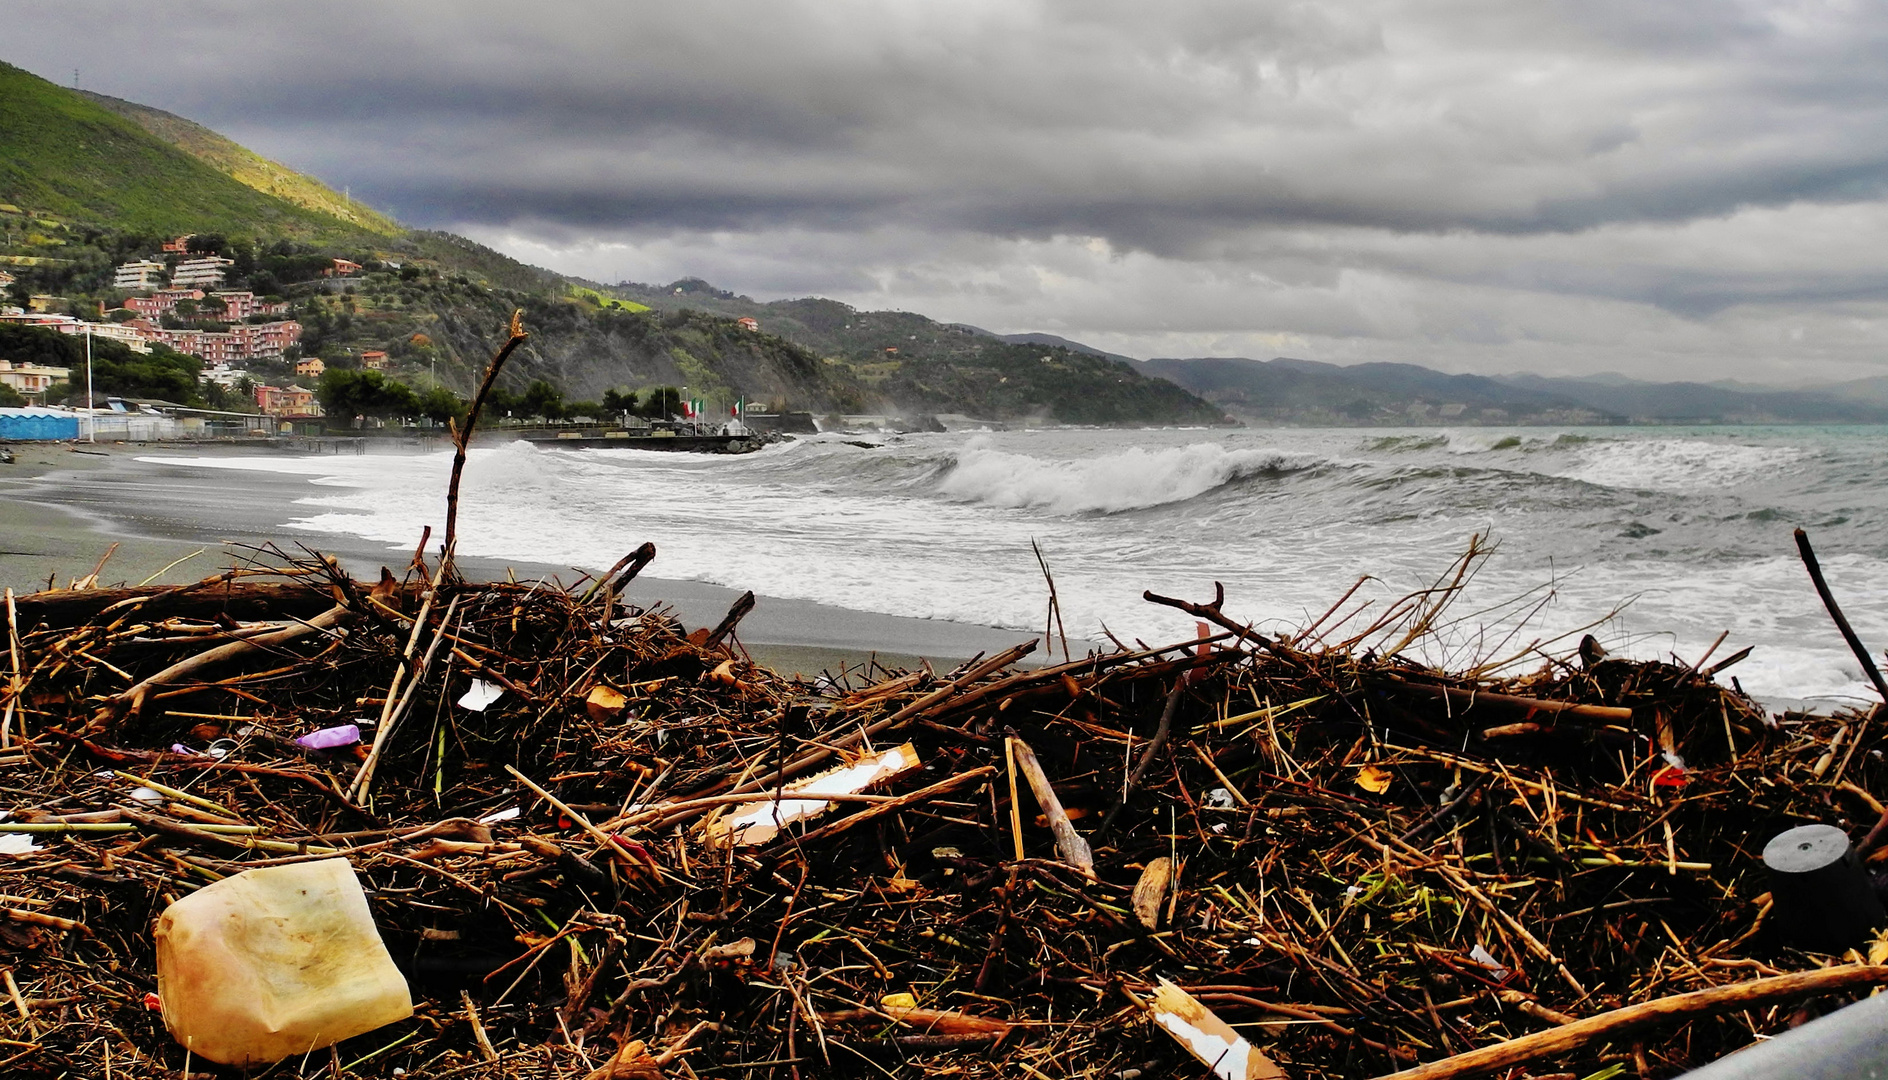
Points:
x=63, y=506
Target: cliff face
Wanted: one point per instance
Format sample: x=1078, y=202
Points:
x=586, y=351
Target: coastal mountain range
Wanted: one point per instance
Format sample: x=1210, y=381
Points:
x=89, y=181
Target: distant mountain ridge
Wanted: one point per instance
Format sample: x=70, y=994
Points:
x=1291, y=391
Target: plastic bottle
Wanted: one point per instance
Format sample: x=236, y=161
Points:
x=275, y=962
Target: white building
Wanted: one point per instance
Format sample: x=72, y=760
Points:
x=143, y=274
x=224, y=375
x=31, y=378
x=208, y=270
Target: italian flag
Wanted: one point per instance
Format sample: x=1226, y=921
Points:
x=739, y=407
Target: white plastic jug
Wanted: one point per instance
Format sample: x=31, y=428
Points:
x=274, y=962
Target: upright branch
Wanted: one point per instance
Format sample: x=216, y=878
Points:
x=462, y=436
x=1835, y=612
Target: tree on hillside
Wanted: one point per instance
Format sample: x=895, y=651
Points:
x=662, y=403
x=615, y=402
x=543, y=399
x=349, y=393
x=439, y=404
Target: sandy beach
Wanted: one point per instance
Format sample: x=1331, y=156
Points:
x=63, y=506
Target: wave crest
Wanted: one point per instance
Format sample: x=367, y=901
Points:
x=1129, y=480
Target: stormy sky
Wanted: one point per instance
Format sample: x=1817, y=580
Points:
x=1678, y=189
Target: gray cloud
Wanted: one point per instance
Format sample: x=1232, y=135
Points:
x=1466, y=182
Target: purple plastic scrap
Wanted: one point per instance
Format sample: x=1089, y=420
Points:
x=332, y=738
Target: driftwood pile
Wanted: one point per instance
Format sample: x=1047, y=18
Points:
x=589, y=840
x=1360, y=862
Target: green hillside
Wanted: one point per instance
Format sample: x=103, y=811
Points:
x=67, y=158
x=245, y=166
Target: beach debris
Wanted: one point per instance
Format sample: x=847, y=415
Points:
x=1410, y=839
x=274, y=962
x=826, y=849
x=481, y=695
x=1150, y=891
x=605, y=703
x=1207, y=1037
x=761, y=821
x=331, y=738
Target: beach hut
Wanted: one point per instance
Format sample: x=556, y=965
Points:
x=37, y=425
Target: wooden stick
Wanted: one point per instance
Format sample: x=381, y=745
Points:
x=1016, y=806
x=892, y=806
x=917, y=708
x=1468, y=698
x=131, y=701
x=1835, y=612
x=627, y=567
x=1608, y=1026
x=731, y=620
x=1068, y=843
x=1481, y=899
x=1161, y=734
x=13, y=678
x=364, y=779
x=461, y=439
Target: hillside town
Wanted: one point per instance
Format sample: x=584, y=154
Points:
x=187, y=292
x=179, y=304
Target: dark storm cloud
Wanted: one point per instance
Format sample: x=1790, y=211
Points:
x=1302, y=153
x=1146, y=124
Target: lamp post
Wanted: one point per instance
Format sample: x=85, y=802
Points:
x=91, y=418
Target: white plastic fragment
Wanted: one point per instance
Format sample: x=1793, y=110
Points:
x=148, y=796
x=480, y=695
x=509, y=813
x=1207, y=1037
x=1218, y=798
x=17, y=844
x=1487, y=959
x=760, y=822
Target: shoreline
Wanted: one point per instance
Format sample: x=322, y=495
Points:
x=66, y=505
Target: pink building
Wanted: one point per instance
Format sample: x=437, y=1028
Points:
x=288, y=400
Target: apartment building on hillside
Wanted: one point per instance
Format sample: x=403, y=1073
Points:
x=207, y=270
x=143, y=274
x=287, y=401
x=32, y=379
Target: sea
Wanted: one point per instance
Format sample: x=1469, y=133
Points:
x=1660, y=541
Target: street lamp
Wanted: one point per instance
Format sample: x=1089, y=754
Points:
x=91, y=418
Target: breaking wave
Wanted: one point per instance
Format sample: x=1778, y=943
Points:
x=1132, y=479
x=1677, y=464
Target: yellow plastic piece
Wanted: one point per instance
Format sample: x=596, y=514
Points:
x=275, y=962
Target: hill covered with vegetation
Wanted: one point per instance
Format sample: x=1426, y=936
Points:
x=68, y=160
x=247, y=167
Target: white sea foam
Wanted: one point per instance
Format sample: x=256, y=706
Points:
x=1677, y=464
x=941, y=526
